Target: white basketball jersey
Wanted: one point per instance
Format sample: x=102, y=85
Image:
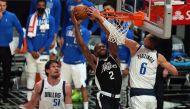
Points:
x=143, y=68
x=52, y=97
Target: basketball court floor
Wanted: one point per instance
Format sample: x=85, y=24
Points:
x=176, y=96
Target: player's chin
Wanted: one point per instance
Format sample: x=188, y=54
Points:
x=102, y=53
x=56, y=76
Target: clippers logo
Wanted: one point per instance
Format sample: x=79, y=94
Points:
x=178, y=16
x=108, y=66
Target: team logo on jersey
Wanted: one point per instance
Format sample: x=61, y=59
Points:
x=53, y=94
x=107, y=66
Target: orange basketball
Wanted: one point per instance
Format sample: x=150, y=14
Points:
x=80, y=12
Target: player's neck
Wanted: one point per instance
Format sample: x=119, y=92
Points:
x=53, y=81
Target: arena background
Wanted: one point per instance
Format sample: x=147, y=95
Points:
x=176, y=89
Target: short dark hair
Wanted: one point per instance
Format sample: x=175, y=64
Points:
x=109, y=4
x=3, y=0
x=48, y=64
x=155, y=40
x=40, y=1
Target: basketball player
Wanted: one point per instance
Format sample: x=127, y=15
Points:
x=107, y=72
x=123, y=51
x=51, y=92
x=144, y=62
x=73, y=67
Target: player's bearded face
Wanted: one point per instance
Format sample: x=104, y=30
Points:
x=55, y=71
x=101, y=51
x=56, y=74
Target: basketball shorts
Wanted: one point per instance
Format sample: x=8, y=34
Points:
x=143, y=102
x=105, y=102
x=75, y=73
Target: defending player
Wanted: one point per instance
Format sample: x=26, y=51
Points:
x=144, y=62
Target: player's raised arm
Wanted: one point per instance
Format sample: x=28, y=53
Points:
x=89, y=56
x=109, y=29
x=164, y=63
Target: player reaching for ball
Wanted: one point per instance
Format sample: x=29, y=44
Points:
x=107, y=71
x=144, y=62
x=80, y=12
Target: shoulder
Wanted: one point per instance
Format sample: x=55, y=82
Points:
x=8, y=13
x=160, y=57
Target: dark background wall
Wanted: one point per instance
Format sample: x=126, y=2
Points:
x=20, y=8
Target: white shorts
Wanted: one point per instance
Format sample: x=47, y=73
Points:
x=75, y=73
x=34, y=66
x=143, y=102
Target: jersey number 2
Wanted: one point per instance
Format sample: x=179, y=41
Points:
x=111, y=75
x=143, y=68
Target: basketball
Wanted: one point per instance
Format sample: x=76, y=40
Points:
x=80, y=12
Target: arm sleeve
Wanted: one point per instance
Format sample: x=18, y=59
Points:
x=51, y=33
x=32, y=6
x=28, y=40
x=86, y=36
x=57, y=15
x=94, y=27
x=19, y=30
x=95, y=24
x=130, y=34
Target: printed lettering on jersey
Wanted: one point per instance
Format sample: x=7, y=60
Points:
x=52, y=94
x=107, y=66
x=43, y=22
x=145, y=56
x=70, y=33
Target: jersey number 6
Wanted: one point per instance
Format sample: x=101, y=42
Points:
x=143, y=68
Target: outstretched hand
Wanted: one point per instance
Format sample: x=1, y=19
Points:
x=74, y=20
x=93, y=13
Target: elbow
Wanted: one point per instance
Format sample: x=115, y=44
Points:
x=176, y=73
